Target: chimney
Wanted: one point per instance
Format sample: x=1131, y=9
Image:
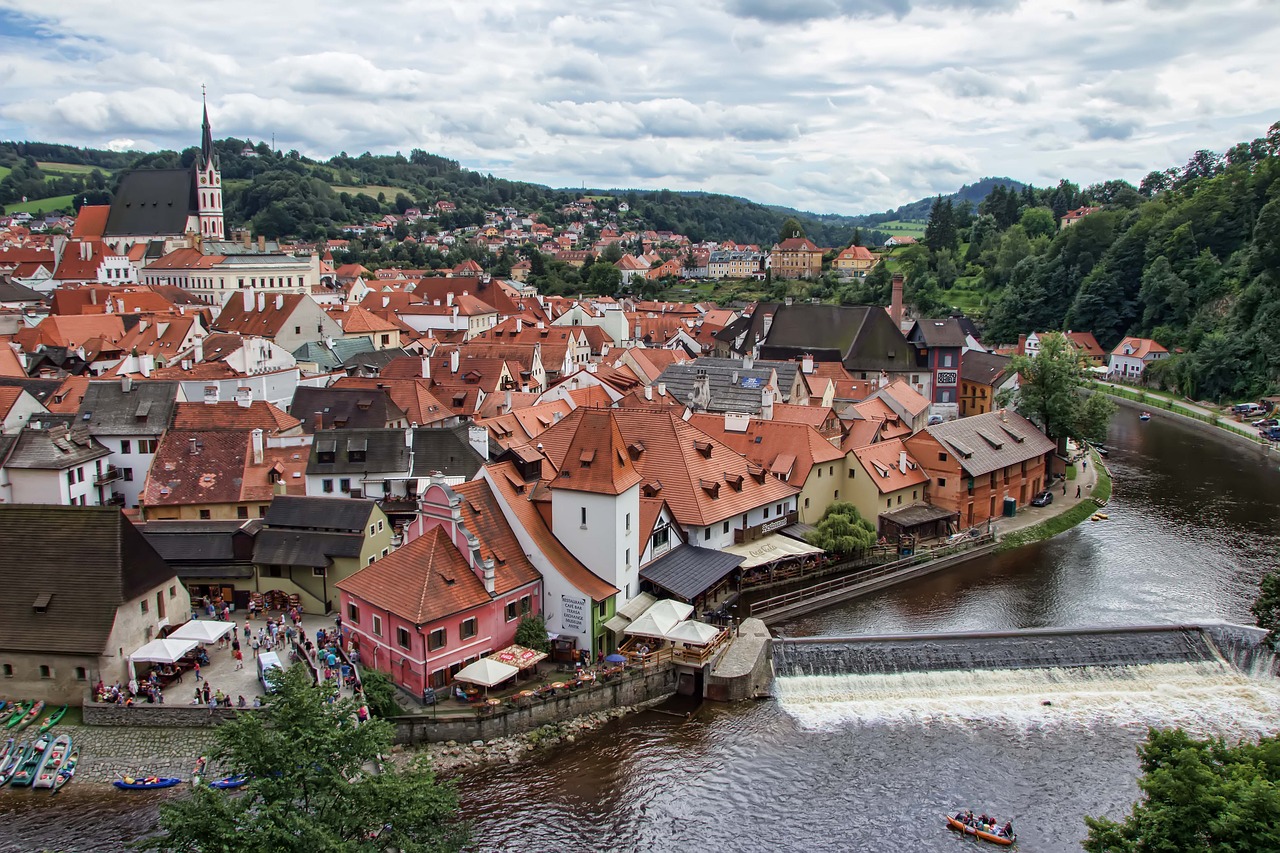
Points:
x=126, y=384
x=248, y=300
x=453, y=361
x=247, y=238
x=662, y=389
x=86, y=251
x=734, y=380
x=478, y=438
x=895, y=303
x=319, y=423
x=244, y=397
x=448, y=299
x=262, y=301
x=386, y=301
x=806, y=363
x=488, y=575
x=648, y=392
x=748, y=361
x=262, y=243
x=506, y=404
x=193, y=446
x=279, y=301
x=198, y=353
x=766, y=403
x=146, y=364
x=426, y=367
x=257, y=446
x=210, y=395
x=1022, y=344
x=519, y=325
x=902, y=461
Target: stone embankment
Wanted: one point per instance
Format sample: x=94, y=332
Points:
x=109, y=752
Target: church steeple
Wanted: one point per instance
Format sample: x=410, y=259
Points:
x=208, y=182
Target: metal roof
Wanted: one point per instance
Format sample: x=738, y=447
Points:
x=688, y=571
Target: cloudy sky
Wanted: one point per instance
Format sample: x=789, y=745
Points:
x=847, y=106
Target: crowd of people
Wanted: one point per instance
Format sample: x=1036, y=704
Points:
x=148, y=690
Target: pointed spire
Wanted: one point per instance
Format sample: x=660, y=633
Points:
x=206, y=139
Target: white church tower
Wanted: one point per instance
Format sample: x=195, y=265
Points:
x=209, y=186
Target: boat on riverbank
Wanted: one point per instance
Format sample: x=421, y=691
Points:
x=47, y=771
x=229, y=783
x=992, y=837
x=19, y=710
x=68, y=771
x=1145, y=416
x=53, y=719
x=25, y=773
x=147, y=783
x=30, y=716
x=15, y=760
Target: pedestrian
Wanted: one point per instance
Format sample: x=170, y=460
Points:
x=239, y=659
x=246, y=629
x=1084, y=464
x=196, y=667
x=1064, y=488
x=207, y=692
x=1077, y=492
x=252, y=609
x=235, y=645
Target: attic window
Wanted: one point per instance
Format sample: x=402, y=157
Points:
x=635, y=448
x=652, y=488
x=364, y=403
x=42, y=602
x=587, y=457
x=734, y=480
x=710, y=487
x=703, y=447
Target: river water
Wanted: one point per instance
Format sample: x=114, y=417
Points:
x=871, y=764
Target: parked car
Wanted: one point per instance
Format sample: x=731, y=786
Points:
x=1266, y=423
x=934, y=420
x=1043, y=499
x=1273, y=434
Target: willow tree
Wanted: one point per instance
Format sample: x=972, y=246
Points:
x=843, y=530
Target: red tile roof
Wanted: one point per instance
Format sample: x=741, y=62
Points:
x=201, y=467
x=1142, y=347
x=765, y=442
x=422, y=582
x=595, y=458
x=230, y=415
x=483, y=517
x=91, y=221
x=882, y=461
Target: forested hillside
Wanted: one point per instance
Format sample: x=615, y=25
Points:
x=1190, y=258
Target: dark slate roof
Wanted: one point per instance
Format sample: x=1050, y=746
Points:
x=988, y=442
x=917, y=514
x=373, y=361
x=329, y=358
x=89, y=560
x=984, y=367
x=726, y=396
x=347, y=515
x=145, y=409
x=445, y=450
x=937, y=333
x=863, y=337
x=152, y=201
x=41, y=389
x=746, y=331
x=689, y=571
x=385, y=451
x=347, y=408
x=203, y=549
x=11, y=291
x=293, y=548
x=53, y=450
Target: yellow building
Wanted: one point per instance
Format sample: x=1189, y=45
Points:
x=796, y=257
x=855, y=262
x=884, y=477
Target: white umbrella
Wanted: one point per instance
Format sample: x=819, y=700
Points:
x=163, y=651
x=669, y=610
x=486, y=672
x=203, y=630
x=649, y=625
x=697, y=633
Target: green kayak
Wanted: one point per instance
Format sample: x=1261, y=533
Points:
x=53, y=719
x=20, y=711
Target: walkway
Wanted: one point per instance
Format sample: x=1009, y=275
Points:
x=1064, y=498
x=1159, y=402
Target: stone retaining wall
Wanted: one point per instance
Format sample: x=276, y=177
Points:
x=745, y=670
x=632, y=690
x=147, y=715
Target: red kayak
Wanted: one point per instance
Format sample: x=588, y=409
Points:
x=992, y=836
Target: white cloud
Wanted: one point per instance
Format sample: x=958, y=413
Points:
x=828, y=105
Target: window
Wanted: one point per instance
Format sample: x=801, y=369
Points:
x=766, y=512
x=371, y=559
x=942, y=457
x=899, y=500
x=628, y=522
x=852, y=473
x=386, y=551
x=274, y=572
x=380, y=525
x=661, y=537
x=469, y=628
x=780, y=510
x=327, y=486
x=297, y=330
x=377, y=626
x=402, y=637
x=82, y=674
x=806, y=503
x=173, y=591
x=888, y=504
x=45, y=671
x=144, y=606
x=583, y=522
x=317, y=571
x=603, y=608
x=946, y=360
x=914, y=496
x=8, y=670
x=627, y=559
x=126, y=446
x=242, y=512
x=526, y=605
x=160, y=605
x=128, y=474
x=353, y=613
x=435, y=640
x=836, y=496
x=942, y=482
x=831, y=470
x=373, y=528
x=344, y=484
x=262, y=511
x=706, y=534
x=71, y=478
x=511, y=611
x=819, y=473
x=205, y=515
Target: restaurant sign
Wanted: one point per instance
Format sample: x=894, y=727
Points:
x=573, y=615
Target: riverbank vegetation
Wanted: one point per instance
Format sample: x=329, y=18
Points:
x=311, y=785
x=1266, y=608
x=1047, y=529
x=1198, y=796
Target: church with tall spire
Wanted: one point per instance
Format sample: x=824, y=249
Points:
x=209, y=180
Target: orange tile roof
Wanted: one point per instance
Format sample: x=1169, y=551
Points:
x=72, y=331
x=483, y=517
x=654, y=361
x=414, y=396
x=9, y=363
x=765, y=442
x=267, y=323
x=882, y=460
x=91, y=221
x=814, y=416
x=518, y=497
x=201, y=467
x=595, y=458
x=421, y=582
x=66, y=400
x=230, y=415
x=591, y=397
x=910, y=399
x=356, y=320
x=1142, y=347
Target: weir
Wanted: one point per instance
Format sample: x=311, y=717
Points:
x=1036, y=648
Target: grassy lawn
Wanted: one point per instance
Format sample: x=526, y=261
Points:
x=1071, y=472
x=67, y=168
x=4, y=172
x=373, y=190
x=898, y=227
x=48, y=205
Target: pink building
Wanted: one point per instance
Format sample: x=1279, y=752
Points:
x=453, y=593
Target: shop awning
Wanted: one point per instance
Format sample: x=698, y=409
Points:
x=687, y=572
x=771, y=548
x=486, y=672
x=163, y=651
x=629, y=612
x=518, y=656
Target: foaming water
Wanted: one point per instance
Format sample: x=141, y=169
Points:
x=1206, y=698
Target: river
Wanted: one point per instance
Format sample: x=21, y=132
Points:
x=1194, y=524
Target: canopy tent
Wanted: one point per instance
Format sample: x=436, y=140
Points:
x=163, y=651
x=769, y=549
x=660, y=618
x=518, y=656
x=695, y=633
x=676, y=611
x=486, y=672
x=203, y=631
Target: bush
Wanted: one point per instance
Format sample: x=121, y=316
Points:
x=532, y=633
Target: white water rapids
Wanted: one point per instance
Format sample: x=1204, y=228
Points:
x=1206, y=698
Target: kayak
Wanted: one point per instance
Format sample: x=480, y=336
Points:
x=229, y=783
x=1145, y=416
x=30, y=716
x=68, y=771
x=147, y=783
x=960, y=826
x=53, y=719
x=26, y=772
x=20, y=710
x=16, y=758
x=10, y=746
x=47, y=772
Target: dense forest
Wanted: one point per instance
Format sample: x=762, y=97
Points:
x=1191, y=258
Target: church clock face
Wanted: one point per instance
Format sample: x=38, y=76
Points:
x=203, y=179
